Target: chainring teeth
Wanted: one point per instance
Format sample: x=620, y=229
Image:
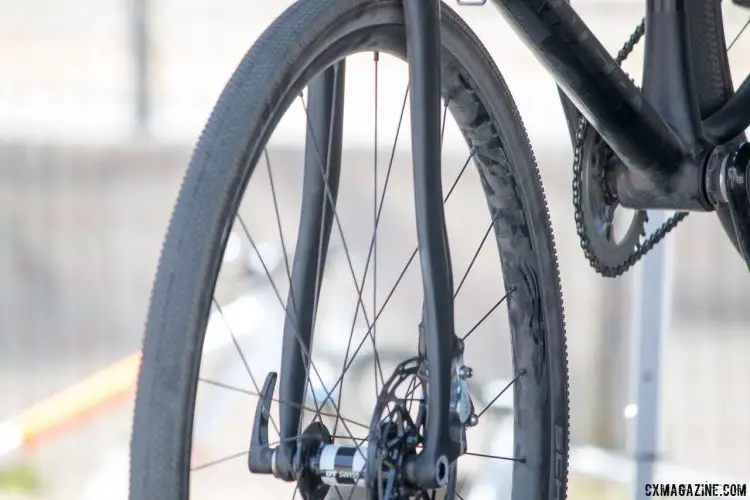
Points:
x=608, y=258
x=597, y=208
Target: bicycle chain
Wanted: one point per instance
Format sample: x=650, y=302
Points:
x=649, y=243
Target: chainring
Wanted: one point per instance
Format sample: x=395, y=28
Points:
x=607, y=258
x=598, y=206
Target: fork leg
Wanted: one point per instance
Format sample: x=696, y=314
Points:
x=422, y=17
x=325, y=115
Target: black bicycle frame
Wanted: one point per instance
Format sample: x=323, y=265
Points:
x=657, y=134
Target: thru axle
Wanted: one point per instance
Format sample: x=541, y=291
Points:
x=387, y=460
x=317, y=463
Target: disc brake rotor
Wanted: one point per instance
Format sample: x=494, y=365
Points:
x=397, y=432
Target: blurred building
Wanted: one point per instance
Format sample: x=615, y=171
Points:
x=91, y=157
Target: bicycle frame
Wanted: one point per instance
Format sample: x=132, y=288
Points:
x=657, y=133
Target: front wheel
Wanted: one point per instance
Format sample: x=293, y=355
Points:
x=280, y=77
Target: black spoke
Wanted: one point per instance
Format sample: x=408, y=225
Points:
x=377, y=367
x=320, y=262
x=283, y=306
x=472, y=152
x=220, y=461
x=489, y=405
x=336, y=219
x=487, y=315
x=304, y=349
x=351, y=492
x=398, y=280
x=476, y=254
x=372, y=240
x=241, y=354
x=279, y=225
x=445, y=113
x=360, y=303
x=409, y=391
x=739, y=34
x=247, y=452
x=416, y=250
x=281, y=401
x=496, y=457
x=338, y=492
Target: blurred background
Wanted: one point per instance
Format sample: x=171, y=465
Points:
x=101, y=103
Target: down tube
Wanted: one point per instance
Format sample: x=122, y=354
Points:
x=591, y=78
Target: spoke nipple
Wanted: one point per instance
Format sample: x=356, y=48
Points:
x=473, y=420
x=465, y=372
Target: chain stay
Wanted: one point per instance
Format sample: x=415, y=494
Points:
x=650, y=242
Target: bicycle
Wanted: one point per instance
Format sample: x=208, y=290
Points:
x=677, y=144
